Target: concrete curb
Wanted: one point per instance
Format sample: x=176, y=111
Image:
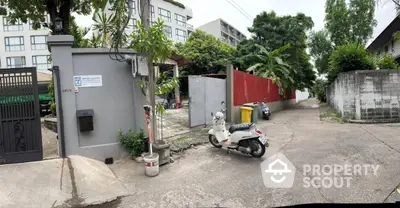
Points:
x=373, y=121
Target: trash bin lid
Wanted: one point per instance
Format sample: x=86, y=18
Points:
x=250, y=104
x=246, y=108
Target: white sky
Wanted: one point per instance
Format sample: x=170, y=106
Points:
x=207, y=10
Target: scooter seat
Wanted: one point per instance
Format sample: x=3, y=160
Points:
x=240, y=127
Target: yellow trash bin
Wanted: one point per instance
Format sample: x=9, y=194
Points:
x=246, y=114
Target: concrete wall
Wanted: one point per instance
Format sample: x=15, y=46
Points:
x=213, y=28
x=233, y=112
x=302, y=95
x=274, y=106
x=366, y=95
x=118, y=103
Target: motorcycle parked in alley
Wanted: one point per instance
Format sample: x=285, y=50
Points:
x=244, y=137
x=266, y=112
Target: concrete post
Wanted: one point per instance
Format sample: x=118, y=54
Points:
x=229, y=93
x=177, y=93
x=61, y=53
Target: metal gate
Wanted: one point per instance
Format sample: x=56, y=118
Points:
x=20, y=128
x=205, y=96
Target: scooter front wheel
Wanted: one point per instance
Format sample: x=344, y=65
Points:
x=214, y=141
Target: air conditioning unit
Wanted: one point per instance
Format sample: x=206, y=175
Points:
x=138, y=64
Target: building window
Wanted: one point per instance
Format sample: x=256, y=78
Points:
x=8, y=26
x=15, y=61
x=152, y=11
x=42, y=63
x=39, y=42
x=180, y=34
x=134, y=24
x=168, y=31
x=132, y=8
x=386, y=48
x=164, y=14
x=46, y=20
x=180, y=20
x=14, y=43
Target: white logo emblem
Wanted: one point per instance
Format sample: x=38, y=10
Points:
x=278, y=172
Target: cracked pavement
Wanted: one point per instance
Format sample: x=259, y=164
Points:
x=205, y=176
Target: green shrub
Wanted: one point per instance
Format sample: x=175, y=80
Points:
x=318, y=89
x=349, y=57
x=132, y=141
x=387, y=62
x=53, y=108
x=176, y=3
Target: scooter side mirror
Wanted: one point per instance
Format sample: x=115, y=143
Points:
x=212, y=114
x=222, y=103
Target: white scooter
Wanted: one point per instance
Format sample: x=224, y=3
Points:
x=244, y=137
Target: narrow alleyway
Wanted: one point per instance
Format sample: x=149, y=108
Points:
x=205, y=176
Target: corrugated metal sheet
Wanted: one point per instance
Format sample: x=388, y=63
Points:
x=250, y=88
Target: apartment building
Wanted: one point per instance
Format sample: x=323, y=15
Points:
x=21, y=45
x=220, y=29
x=174, y=16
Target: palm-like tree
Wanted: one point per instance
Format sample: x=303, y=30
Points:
x=95, y=41
x=104, y=26
x=271, y=65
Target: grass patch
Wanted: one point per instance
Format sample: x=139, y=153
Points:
x=182, y=139
x=327, y=113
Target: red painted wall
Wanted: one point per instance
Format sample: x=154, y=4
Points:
x=249, y=88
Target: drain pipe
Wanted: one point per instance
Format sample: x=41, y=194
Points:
x=60, y=115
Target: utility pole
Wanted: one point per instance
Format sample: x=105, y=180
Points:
x=145, y=20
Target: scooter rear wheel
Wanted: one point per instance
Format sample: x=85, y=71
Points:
x=213, y=140
x=257, y=148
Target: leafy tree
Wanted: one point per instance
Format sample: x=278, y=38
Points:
x=208, y=54
x=271, y=65
x=319, y=89
x=153, y=42
x=37, y=10
x=352, y=23
x=349, y=57
x=103, y=25
x=320, y=48
x=273, y=32
x=344, y=23
x=387, y=62
x=79, y=34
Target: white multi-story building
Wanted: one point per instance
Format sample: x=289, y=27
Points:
x=21, y=45
x=220, y=29
x=175, y=18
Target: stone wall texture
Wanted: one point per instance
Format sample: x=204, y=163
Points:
x=371, y=95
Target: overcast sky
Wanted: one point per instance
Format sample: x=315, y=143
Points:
x=207, y=10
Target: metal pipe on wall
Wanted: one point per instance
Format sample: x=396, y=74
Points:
x=60, y=114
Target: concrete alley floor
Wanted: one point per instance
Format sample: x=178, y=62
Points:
x=58, y=183
x=206, y=176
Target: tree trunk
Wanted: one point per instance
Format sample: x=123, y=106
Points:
x=52, y=10
x=65, y=14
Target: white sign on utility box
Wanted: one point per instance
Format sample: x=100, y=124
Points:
x=88, y=81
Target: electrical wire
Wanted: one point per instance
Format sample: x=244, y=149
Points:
x=115, y=44
x=243, y=13
x=248, y=15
